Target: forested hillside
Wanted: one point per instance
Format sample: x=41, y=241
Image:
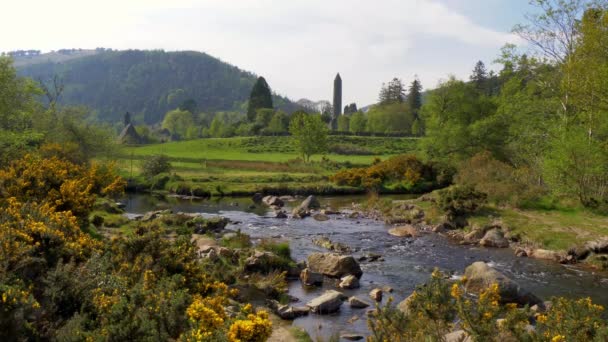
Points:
x=148, y=83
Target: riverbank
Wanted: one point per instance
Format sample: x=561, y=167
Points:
x=564, y=235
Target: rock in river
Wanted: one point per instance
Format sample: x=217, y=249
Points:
x=328, y=302
x=405, y=231
x=334, y=265
x=357, y=303
x=376, y=294
x=303, y=210
x=273, y=201
x=494, y=238
x=349, y=282
x=310, y=278
x=480, y=276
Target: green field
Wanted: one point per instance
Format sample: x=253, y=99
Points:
x=245, y=165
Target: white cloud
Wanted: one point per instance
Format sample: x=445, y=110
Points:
x=298, y=45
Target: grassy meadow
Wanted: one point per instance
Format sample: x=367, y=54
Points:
x=245, y=165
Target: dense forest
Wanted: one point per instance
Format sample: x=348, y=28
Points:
x=147, y=83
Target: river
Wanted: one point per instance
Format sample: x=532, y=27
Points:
x=408, y=262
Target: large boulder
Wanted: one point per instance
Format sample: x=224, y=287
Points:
x=320, y=217
x=303, y=210
x=479, y=276
x=494, y=238
x=404, y=231
x=310, y=278
x=273, y=201
x=257, y=197
x=328, y=302
x=599, y=246
x=334, y=265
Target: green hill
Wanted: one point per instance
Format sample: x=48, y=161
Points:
x=145, y=83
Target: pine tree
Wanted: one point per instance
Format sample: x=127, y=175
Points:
x=414, y=97
x=480, y=75
x=260, y=97
x=392, y=93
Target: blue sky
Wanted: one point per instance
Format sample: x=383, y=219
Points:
x=297, y=45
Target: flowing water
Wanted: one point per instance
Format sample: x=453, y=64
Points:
x=408, y=262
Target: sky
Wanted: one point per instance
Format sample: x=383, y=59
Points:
x=297, y=45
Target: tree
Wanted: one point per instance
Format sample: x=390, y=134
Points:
x=343, y=123
x=177, y=122
x=479, y=77
x=414, y=97
x=358, y=122
x=393, y=92
x=262, y=118
x=350, y=109
x=260, y=97
x=309, y=134
x=393, y=117
x=278, y=123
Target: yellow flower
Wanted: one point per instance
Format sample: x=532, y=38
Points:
x=541, y=318
x=558, y=338
x=456, y=292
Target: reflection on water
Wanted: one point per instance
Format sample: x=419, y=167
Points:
x=407, y=264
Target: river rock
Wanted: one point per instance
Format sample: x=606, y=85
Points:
x=328, y=302
x=474, y=236
x=494, y=238
x=443, y=227
x=257, y=197
x=305, y=207
x=149, y=216
x=376, y=294
x=310, y=278
x=329, y=212
x=599, y=246
x=404, y=231
x=288, y=312
x=405, y=305
x=480, y=276
x=546, y=254
x=287, y=198
x=457, y=336
x=334, y=265
x=281, y=214
x=325, y=242
x=261, y=261
x=520, y=252
x=320, y=217
x=349, y=282
x=273, y=201
x=357, y=303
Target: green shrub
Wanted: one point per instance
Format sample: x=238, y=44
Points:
x=461, y=200
x=156, y=165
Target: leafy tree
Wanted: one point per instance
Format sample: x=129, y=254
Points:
x=309, y=133
x=343, y=123
x=460, y=122
x=189, y=105
x=278, y=123
x=259, y=98
x=357, y=123
x=393, y=117
x=177, y=122
x=263, y=117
